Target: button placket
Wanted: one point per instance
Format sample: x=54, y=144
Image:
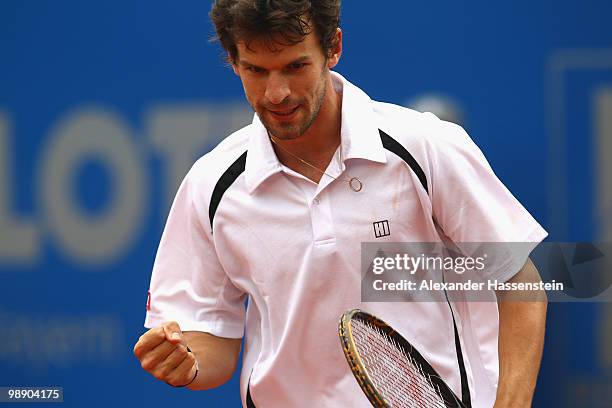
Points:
x=322, y=223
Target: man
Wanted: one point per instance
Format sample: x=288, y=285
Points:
x=277, y=212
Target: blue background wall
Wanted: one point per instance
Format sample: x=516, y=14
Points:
x=132, y=80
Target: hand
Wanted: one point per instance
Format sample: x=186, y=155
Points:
x=163, y=353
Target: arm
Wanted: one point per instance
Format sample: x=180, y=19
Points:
x=521, y=340
x=217, y=358
x=162, y=351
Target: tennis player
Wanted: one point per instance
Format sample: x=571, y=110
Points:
x=263, y=239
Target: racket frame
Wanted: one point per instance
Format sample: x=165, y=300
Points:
x=359, y=370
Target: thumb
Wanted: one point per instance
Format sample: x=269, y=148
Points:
x=173, y=332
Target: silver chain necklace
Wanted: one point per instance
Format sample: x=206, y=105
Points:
x=354, y=183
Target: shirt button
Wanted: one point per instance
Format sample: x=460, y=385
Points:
x=316, y=201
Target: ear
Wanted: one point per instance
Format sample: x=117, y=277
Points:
x=334, y=56
x=235, y=68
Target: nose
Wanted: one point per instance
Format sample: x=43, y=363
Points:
x=277, y=88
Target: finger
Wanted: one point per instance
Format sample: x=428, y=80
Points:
x=173, y=332
x=185, y=371
x=180, y=354
x=148, y=341
x=174, y=359
x=153, y=358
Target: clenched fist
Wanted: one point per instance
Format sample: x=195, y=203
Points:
x=163, y=352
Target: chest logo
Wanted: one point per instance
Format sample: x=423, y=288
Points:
x=381, y=229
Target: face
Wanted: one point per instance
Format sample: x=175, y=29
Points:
x=287, y=85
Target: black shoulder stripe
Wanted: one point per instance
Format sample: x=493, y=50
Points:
x=394, y=146
x=225, y=181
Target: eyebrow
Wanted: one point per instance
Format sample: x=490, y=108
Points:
x=296, y=61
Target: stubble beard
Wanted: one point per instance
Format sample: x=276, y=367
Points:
x=294, y=131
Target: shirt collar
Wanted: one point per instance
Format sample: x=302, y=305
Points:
x=359, y=136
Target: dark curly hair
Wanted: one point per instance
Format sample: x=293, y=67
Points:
x=283, y=22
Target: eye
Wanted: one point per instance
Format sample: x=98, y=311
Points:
x=297, y=65
x=254, y=70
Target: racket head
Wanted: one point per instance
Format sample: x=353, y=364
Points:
x=376, y=396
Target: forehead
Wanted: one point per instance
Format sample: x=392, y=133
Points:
x=269, y=49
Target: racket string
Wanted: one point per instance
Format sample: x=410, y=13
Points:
x=394, y=372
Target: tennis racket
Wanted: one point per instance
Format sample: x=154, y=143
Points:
x=389, y=370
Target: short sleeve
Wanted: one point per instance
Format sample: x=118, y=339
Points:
x=188, y=284
x=472, y=205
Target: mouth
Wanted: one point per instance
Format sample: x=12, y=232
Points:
x=284, y=114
